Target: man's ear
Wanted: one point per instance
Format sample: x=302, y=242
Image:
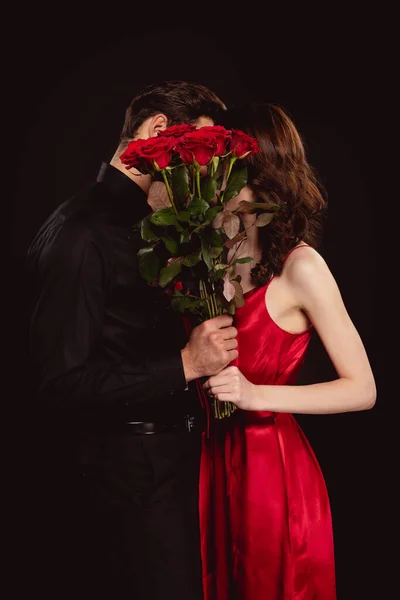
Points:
x=157, y=123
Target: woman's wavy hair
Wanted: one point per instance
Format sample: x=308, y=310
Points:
x=280, y=173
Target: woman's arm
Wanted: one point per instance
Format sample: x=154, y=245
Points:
x=318, y=295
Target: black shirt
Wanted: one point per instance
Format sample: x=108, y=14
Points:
x=101, y=338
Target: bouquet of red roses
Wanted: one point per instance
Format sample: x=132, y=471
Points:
x=195, y=173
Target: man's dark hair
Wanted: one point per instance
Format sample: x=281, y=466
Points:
x=179, y=101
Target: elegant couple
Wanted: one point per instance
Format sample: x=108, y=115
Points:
x=142, y=503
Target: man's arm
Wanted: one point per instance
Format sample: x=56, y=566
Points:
x=72, y=277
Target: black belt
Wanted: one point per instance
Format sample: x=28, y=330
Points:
x=187, y=424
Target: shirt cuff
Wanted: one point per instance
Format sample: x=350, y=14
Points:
x=167, y=373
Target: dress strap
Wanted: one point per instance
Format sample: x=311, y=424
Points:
x=295, y=248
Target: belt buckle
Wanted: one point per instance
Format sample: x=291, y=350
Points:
x=189, y=422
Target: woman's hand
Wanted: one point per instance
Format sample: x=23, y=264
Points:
x=230, y=385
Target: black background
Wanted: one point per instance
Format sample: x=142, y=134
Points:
x=69, y=78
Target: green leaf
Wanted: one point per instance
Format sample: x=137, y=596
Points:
x=191, y=303
x=216, y=251
x=217, y=238
x=198, y=206
x=231, y=308
x=171, y=244
x=208, y=188
x=179, y=227
x=249, y=207
x=146, y=231
x=214, y=165
x=169, y=272
x=264, y=219
x=237, y=180
x=183, y=216
x=185, y=236
x=218, y=273
x=164, y=216
x=212, y=213
x=192, y=259
x=149, y=264
x=241, y=261
x=180, y=184
x=206, y=253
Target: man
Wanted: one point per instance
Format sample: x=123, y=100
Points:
x=115, y=372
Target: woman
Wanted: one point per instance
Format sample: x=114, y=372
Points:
x=265, y=516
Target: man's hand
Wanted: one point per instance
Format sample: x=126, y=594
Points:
x=210, y=349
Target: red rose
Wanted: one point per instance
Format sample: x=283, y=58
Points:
x=221, y=136
x=178, y=286
x=197, y=145
x=145, y=155
x=242, y=144
x=177, y=131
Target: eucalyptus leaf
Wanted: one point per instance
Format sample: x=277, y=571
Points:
x=158, y=196
x=236, y=182
x=168, y=273
x=238, y=238
x=241, y=261
x=149, y=264
x=238, y=298
x=249, y=207
x=264, y=219
x=231, y=225
x=229, y=289
x=218, y=219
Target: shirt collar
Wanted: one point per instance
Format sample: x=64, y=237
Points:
x=129, y=195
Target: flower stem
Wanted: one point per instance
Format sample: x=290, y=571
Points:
x=170, y=196
x=220, y=409
x=193, y=175
x=232, y=161
x=204, y=295
x=198, y=180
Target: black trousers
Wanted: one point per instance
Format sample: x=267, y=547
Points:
x=122, y=520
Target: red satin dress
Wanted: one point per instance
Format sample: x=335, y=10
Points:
x=266, y=530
